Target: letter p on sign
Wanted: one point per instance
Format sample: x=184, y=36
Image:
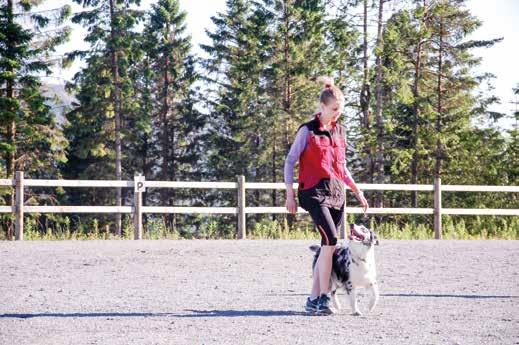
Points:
x=139, y=184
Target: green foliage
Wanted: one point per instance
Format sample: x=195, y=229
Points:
x=454, y=228
x=30, y=138
x=258, y=87
x=170, y=140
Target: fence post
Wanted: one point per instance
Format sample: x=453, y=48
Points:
x=242, y=225
x=18, y=227
x=138, y=189
x=437, y=208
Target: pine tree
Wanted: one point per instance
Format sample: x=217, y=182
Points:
x=406, y=45
x=303, y=49
x=450, y=25
x=513, y=147
x=264, y=61
x=109, y=25
x=176, y=123
x=431, y=105
x=30, y=138
x=379, y=171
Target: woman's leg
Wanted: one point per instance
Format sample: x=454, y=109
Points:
x=316, y=290
x=326, y=226
x=324, y=262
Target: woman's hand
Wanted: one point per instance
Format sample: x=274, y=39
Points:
x=290, y=202
x=362, y=200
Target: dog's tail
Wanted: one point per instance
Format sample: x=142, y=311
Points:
x=315, y=248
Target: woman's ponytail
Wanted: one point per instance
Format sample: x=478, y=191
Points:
x=330, y=91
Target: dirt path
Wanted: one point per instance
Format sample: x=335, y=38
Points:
x=251, y=292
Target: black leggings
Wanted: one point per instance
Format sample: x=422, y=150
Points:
x=328, y=221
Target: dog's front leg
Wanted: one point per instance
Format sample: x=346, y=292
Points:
x=335, y=300
x=374, y=296
x=353, y=301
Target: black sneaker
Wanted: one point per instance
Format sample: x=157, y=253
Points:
x=323, y=306
x=311, y=305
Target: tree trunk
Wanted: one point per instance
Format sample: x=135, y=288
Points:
x=11, y=127
x=274, y=156
x=439, y=108
x=379, y=163
x=145, y=173
x=164, y=124
x=287, y=99
x=165, y=140
x=286, y=84
x=416, y=112
x=365, y=96
x=365, y=92
x=416, y=116
x=117, y=112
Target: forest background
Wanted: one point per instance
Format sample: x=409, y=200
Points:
x=144, y=102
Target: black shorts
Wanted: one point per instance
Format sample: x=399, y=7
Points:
x=328, y=192
x=325, y=203
x=328, y=221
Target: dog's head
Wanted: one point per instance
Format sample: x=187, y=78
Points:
x=359, y=234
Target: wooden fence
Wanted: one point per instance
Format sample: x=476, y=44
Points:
x=139, y=185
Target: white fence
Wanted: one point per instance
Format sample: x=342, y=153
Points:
x=139, y=184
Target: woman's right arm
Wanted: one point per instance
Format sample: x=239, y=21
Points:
x=295, y=152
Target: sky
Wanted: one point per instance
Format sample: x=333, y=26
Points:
x=500, y=19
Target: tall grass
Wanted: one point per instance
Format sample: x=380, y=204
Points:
x=454, y=228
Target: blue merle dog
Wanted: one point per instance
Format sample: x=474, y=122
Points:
x=353, y=267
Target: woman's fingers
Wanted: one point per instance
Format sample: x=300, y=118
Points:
x=291, y=205
x=363, y=203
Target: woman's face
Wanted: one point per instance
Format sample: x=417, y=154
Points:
x=331, y=111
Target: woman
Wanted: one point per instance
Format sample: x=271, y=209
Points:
x=320, y=147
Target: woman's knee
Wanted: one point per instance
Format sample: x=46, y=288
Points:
x=327, y=251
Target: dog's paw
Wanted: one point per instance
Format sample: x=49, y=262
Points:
x=357, y=313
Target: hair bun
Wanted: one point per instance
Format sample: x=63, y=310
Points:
x=327, y=81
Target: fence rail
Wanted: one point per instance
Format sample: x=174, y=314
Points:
x=139, y=184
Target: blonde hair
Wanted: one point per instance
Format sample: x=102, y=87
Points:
x=330, y=91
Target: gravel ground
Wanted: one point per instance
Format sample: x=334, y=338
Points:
x=251, y=292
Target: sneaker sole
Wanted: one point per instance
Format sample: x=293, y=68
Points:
x=311, y=310
x=324, y=312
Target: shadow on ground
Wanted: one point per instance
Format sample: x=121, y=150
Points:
x=189, y=313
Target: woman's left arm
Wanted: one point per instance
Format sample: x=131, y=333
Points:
x=348, y=179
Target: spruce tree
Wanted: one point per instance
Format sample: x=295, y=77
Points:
x=109, y=25
x=176, y=123
x=453, y=103
x=30, y=138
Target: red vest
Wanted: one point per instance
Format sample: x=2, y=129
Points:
x=324, y=156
